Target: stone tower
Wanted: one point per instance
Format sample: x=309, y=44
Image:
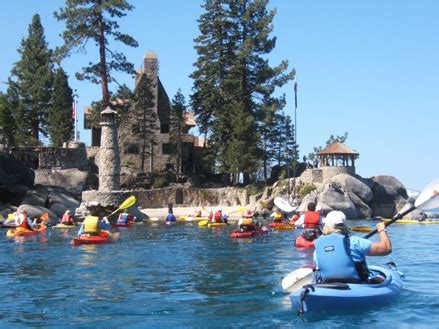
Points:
x=109, y=159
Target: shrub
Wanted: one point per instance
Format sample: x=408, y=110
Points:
x=306, y=189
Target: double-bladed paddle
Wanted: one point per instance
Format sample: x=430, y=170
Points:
x=428, y=200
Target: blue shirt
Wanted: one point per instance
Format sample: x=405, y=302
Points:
x=360, y=247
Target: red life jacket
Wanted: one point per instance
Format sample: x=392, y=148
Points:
x=217, y=217
x=66, y=219
x=312, y=218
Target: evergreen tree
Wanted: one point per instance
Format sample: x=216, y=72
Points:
x=6, y=119
x=176, y=124
x=143, y=118
x=94, y=20
x=60, y=121
x=233, y=81
x=31, y=84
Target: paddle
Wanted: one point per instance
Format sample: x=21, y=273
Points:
x=428, y=200
x=361, y=228
x=129, y=202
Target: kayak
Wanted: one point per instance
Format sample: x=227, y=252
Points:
x=301, y=242
x=413, y=221
x=192, y=219
x=211, y=225
x=20, y=231
x=248, y=234
x=63, y=226
x=319, y=297
x=104, y=237
x=281, y=226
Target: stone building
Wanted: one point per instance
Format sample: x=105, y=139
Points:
x=152, y=154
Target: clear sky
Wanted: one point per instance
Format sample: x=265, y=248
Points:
x=369, y=68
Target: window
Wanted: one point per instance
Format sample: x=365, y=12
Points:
x=164, y=128
x=132, y=149
x=166, y=149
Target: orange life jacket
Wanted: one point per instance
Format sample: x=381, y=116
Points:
x=25, y=224
x=312, y=218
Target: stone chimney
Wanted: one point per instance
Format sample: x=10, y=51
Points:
x=109, y=160
x=151, y=69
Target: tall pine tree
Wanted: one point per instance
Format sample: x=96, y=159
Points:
x=95, y=20
x=6, y=119
x=31, y=85
x=233, y=81
x=176, y=126
x=59, y=120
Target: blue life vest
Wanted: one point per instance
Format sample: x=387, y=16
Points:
x=334, y=259
x=171, y=217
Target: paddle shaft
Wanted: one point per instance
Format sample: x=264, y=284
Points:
x=394, y=219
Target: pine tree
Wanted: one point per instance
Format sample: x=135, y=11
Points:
x=233, y=81
x=94, y=20
x=32, y=85
x=60, y=120
x=176, y=124
x=6, y=119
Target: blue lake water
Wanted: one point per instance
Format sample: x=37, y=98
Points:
x=186, y=276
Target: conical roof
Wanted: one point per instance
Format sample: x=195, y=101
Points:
x=338, y=148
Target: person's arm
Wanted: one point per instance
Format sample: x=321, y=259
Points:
x=382, y=247
x=300, y=221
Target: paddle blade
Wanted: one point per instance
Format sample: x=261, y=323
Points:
x=297, y=279
x=128, y=202
x=428, y=200
x=283, y=204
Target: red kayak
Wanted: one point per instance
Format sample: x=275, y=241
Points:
x=301, y=242
x=248, y=234
x=103, y=237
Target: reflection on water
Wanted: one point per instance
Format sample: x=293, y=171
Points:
x=186, y=276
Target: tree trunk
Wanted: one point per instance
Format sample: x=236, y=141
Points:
x=103, y=62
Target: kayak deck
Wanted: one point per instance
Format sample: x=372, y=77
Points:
x=342, y=296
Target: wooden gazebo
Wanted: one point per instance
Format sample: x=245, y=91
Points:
x=337, y=155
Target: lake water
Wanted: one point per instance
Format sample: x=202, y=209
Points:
x=189, y=277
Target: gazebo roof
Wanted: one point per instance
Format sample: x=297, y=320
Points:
x=338, y=148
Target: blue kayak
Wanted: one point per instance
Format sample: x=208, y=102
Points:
x=321, y=297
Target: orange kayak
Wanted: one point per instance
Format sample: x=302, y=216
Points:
x=20, y=231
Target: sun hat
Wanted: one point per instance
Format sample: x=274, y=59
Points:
x=248, y=213
x=335, y=219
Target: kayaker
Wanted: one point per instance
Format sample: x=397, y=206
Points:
x=67, y=218
x=93, y=226
x=277, y=216
x=171, y=217
x=124, y=218
x=310, y=221
x=337, y=264
x=217, y=217
x=23, y=221
x=246, y=223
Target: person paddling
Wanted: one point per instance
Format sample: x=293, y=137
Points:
x=246, y=223
x=67, y=218
x=93, y=226
x=170, y=218
x=23, y=221
x=311, y=221
x=342, y=258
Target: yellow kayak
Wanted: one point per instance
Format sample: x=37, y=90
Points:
x=210, y=225
x=191, y=219
x=413, y=221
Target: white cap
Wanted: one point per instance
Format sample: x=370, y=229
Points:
x=335, y=218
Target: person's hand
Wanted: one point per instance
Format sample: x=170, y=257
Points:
x=380, y=227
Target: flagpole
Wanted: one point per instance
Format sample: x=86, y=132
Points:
x=295, y=123
x=75, y=116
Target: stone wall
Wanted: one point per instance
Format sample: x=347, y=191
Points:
x=63, y=158
x=179, y=196
x=329, y=172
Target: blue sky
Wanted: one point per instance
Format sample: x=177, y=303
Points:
x=369, y=68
